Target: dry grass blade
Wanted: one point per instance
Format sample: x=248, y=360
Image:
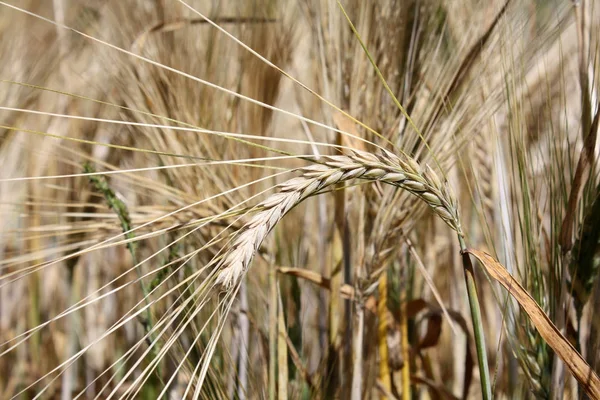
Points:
x=582, y=173
x=474, y=53
x=382, y=332
x=584, y=266
x=405, y=351
x=346, y=291
x=562, y=347
x=180, y=23
x=282, y=353
x=387, y=167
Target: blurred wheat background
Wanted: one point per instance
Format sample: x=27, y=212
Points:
x=138, y=139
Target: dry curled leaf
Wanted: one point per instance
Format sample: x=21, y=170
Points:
x=415, y=306
x=562, y=347
x=433, y=331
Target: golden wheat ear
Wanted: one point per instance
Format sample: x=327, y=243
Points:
x=388, y=168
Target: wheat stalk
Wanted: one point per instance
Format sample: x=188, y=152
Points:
x=403, y=172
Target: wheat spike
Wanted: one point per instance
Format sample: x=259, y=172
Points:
x=403, y=172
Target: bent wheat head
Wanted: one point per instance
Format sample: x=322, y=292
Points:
x=403, y=172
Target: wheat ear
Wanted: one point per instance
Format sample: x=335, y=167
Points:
x=403, y=172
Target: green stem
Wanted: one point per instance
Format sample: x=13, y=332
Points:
x=484, y=372
x=120, y=208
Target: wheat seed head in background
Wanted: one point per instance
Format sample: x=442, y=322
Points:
x=223, y=200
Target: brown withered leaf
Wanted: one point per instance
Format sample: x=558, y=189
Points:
x=562, y=347
x=433, y=331
x=440, y=391
x=431, y=338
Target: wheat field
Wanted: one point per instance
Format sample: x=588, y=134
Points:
x=278, y=199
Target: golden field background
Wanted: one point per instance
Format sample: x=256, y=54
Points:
x=137, y=136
